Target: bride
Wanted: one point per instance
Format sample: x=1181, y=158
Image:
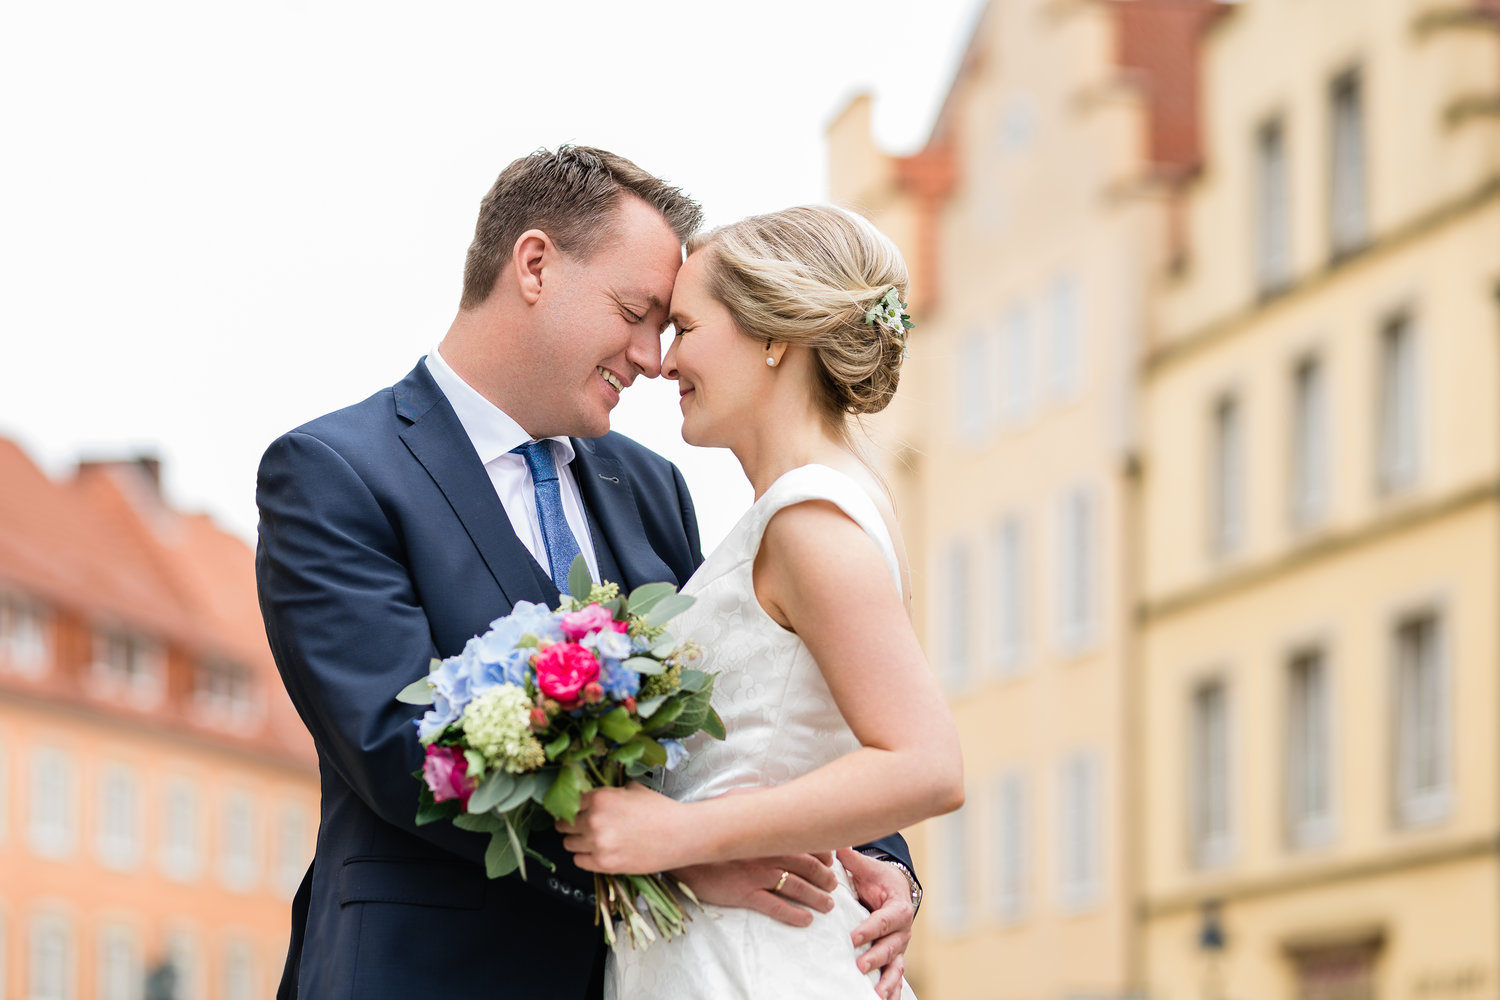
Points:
x=788, y=326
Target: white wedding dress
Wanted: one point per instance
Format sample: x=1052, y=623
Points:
x=782, y=722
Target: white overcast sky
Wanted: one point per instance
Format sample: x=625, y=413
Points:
x=219, y=220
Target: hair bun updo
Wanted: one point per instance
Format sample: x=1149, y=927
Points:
x=808, y=276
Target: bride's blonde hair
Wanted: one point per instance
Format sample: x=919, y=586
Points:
x=807, y=276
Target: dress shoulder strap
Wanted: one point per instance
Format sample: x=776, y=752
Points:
x=819, y=482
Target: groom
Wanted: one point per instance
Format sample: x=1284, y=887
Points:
x=394, y=530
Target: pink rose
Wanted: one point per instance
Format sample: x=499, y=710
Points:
x=446, y=770
x=577, y=624
x=563, y=669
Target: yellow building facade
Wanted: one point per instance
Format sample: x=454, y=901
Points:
x=1273, y=227
x=1031, y=221
x=1320, y=764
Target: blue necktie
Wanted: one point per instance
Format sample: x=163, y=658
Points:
x=562, y=547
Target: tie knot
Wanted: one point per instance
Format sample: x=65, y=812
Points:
x=538, y=456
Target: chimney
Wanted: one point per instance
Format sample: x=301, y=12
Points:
x=146, y=467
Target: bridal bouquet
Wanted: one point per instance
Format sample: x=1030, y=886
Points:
x=548, y=704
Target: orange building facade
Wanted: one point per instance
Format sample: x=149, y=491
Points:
x=158, y=794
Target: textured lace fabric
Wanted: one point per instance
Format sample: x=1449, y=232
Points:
x=782, y=722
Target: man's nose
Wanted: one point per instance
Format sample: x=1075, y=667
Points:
x=645, y=353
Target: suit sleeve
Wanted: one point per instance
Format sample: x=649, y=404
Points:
x=348, y=632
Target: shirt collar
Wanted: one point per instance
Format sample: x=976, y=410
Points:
x=491, y=430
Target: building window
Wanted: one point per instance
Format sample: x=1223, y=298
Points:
x=1010, y=584
x=1010, y=848
x=224, y=693
x=1209, y=795
x=183, y=959
x=955, y=901
x=239, y=972
x=237, y=841
x=49, y=959
x=1400, y=408
x=54, y=811
x=293, y=850
x=1348, y=226
x=119, y=840
x=1015, y=366
x=1338, y=972
x=974, y=379
x=121, y=973
x=1310, y=444
x=1227, y=469
x=24, y=629
x=129, y=665
x=953, y=616
x=1065, y=345
x=180, y=856
x=1079, y=828
x=1422, y=721
x=1273, y=221
x=1309, y=750
x=1077, y=568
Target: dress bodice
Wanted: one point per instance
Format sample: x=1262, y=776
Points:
x=780, y=717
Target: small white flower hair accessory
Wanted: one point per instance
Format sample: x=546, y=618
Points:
x=890, y=313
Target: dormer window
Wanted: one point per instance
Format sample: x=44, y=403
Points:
x=224, y=694
x=129, y=665
x=24, y=631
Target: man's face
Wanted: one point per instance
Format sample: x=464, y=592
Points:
x=602, y=324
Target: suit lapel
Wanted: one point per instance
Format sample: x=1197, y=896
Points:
x=437, y=440
x=620, y=545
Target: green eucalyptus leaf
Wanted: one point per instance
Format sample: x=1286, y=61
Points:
x=478, y=822
x=490, y=791
x=693, y=680
x=666, y=645
x=646, y=709
x=647, y=595
x=645, y=665
x=519, y=792
x=418, y=692
x=669, y=607
x=501, y=857
x=579, y=580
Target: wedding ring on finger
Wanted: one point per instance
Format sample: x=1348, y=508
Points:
x=781, y=881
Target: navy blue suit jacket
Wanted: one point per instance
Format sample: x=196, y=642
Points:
x=382, y=544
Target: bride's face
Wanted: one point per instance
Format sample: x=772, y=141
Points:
x=720, y=372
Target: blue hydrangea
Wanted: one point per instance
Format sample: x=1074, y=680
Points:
x=486, y=661
x=618, y=680
x=676, y=753
x=608, y=643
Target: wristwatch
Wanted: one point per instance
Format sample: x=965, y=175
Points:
x=911, y=881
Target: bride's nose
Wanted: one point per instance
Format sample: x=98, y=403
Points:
x=669, y=362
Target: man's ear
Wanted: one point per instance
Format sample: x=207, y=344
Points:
x=533, y=251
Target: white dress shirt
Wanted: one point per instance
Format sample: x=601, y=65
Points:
x=493, y=434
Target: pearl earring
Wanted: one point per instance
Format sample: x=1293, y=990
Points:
x=771, y=362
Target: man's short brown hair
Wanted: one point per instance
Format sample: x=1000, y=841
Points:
x=570, y=195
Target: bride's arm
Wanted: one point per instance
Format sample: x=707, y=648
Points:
x=820, y=575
